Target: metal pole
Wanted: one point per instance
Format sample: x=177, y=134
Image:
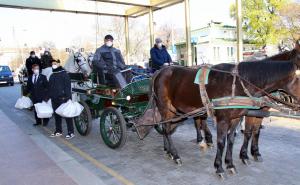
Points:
x=127, y=39
x=188, y=33
x=239, y=30
x=151, y=27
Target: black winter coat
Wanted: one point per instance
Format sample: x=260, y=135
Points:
x=46, y=61
x=60, y=86
x=39, y=90
x=29, y=62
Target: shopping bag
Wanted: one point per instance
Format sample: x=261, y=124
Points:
x=23, y=103
x=44, y=109
x=69, y=109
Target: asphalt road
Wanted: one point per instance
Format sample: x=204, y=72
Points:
x=144, y=163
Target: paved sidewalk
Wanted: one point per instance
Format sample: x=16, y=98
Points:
x=22, y=162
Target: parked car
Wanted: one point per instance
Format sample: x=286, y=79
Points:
x=6, y=75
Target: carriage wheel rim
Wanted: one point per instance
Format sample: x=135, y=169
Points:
x=82, y=121
x=112, y=128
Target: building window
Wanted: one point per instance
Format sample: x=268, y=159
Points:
x=229, y=52
x=216, y=53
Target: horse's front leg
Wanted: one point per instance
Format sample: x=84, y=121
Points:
x=200, y=141
x=222, y=127
x=230, y=142
x=254, y=145
x=249, y=123
x=170, y=128
x=208, y=135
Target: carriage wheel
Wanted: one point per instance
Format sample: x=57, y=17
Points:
x=159, y=129
x=113, y=128
x=83, y=122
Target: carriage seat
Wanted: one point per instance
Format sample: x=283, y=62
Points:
x=104, y=78
x=77, y=77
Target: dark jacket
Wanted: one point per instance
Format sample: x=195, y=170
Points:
x=159, y=57
x=108, y=58
x=29, y=62
x=46, y=61
x=39, y=90
x=60, y=86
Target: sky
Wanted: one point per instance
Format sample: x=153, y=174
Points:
x=31, y=27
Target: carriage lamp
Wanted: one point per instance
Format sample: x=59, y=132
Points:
x=114, y=90
x=89, y=92
x=298, y=72
x=113, y=103
x=128, y=98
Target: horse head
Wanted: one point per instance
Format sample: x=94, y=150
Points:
x=293, y=86
x=77, y=63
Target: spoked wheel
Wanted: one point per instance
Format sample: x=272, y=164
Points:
x=83, y=122
x=159, y=129
x=113, y=128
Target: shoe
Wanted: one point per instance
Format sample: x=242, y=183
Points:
x=56, y=134
x=70, y=136
x=36, y=124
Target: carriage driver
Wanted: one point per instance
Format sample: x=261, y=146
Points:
x=108, y=59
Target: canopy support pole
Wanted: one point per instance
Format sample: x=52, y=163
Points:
x=188, y=33
x=127, y=39
x=239, y=30
x=151, y=27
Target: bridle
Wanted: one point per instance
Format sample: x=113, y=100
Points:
x=77, y=60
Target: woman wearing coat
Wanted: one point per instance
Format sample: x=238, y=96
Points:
x=60, y=92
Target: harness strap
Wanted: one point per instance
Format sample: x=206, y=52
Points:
x=203, y=93
x=235, y=72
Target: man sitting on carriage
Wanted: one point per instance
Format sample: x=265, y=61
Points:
x=108, y=63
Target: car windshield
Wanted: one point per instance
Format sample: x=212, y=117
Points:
x=4, y=69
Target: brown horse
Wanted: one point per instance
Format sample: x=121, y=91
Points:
x=176, y=93
x=252, y=124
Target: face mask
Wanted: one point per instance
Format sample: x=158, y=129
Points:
x=159, y=45
x=54, y=66
x=109, y=43
x=47, y=53
x=36, y=71
x=32, y=56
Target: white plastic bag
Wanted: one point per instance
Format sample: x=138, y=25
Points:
x=69, y=109
x=44, y=110
x=23, y=103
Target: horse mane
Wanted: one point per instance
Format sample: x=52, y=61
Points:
x=266, y=71
x=286, y=55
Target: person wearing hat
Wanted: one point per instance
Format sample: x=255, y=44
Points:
x=159, y=55
x=38, y=89
x=30, y=61
x=60, y=92
x=46, y=59
x=108, y=59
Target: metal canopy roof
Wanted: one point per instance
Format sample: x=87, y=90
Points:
x=122, y=8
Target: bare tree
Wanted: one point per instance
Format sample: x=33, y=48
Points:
x=290, y=22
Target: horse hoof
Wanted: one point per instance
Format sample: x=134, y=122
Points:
x=246, y=162
x=232, y=170
x=178, y=162
x=221, y=175
x=210, y=145
x=203, y=145
x=258, y=158
x=170, y=156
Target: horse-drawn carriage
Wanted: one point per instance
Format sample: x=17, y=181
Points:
x=115, y=107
